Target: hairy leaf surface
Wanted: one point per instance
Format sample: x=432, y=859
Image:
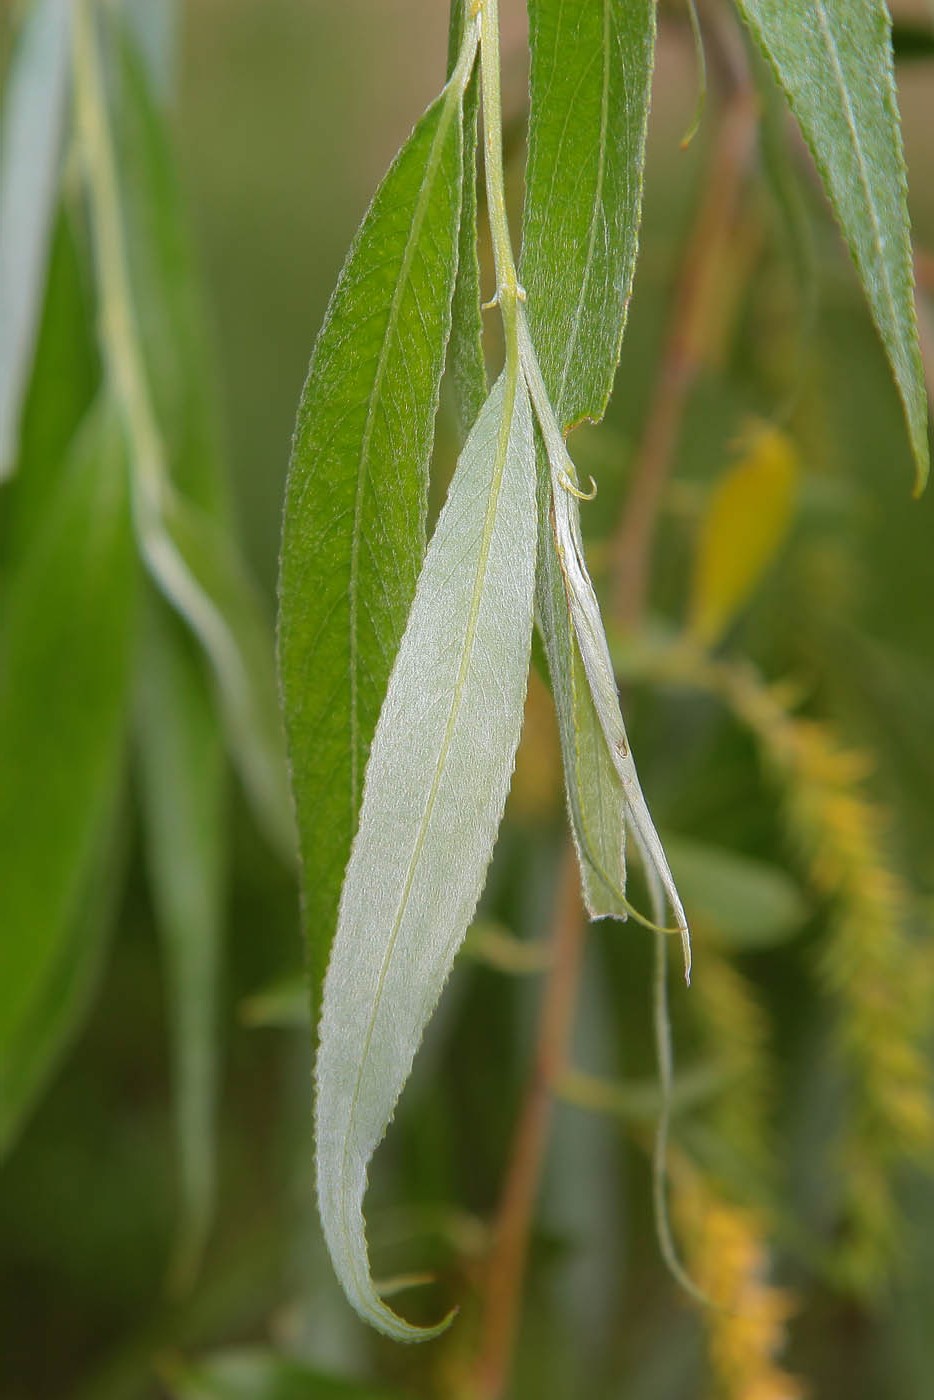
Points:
x=65, y=649
x=833, y=58
x=596, y=801
x=354, y=529
x=435, y=790
x=591, y=76
x=183, y=794
x=35, y=95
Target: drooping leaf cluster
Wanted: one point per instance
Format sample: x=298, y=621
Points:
x=403, y=672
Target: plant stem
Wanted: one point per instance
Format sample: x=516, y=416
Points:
x=506, y=1267
x=694, y=309
x=508, y=291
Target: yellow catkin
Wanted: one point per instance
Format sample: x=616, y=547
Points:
x=727, y=1255
x=878, y=975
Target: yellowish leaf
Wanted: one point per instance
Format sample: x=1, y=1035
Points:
x=745, y=524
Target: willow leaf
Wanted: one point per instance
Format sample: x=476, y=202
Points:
x=354, y=528
x=65, y=651
x=590, y=636
x=466, y=363
x=596, y=801
x=30, y=156
x=435, y=790
x=833, y=58
x=591, y=77
x=183, y=796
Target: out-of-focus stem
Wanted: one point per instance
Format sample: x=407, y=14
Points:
x=506, y=1267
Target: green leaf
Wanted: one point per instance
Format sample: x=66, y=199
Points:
x=183, y=791
x=65, y=380
x=435, y=790
x=65, y=651
x=35, y=95
x=255, y=1374
x=196, y=565
x=35, y=1051
x=466, y=363
x=595, y=795
x=746, y=903
x=833, y=58
x=590, y=85
x=354, y=528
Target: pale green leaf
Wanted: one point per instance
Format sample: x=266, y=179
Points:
x=640, y=1101
x=833, y=58
x=595, y=796
x=435, y=790
x=354, y=527
x=65, y=652
x=590, y=636
x=183, y=774
x=745, y=903
x=591, y=78
x=31, y=135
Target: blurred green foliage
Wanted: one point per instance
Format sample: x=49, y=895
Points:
x=284, y=116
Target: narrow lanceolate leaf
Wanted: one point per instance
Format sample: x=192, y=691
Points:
x=596, y=801
x=354, y=528
x=466, y=362
x=183, y=773
x=833, y=58
x=589, y=634
x=30, y=156
x=435, y=790
x=65, y=645
x=591, y=76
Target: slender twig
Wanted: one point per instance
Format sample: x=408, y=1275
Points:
x=692, y=313
x=506, y=1267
